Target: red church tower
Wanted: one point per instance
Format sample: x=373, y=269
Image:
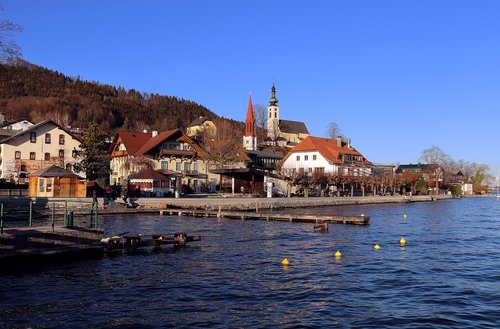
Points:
x=250, y=138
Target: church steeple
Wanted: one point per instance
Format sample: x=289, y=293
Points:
x=250, y=138
x=273, y=116
x=273, y=101
x=250, y=121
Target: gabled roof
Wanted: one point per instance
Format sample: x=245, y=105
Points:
x=293, y=127
x=132, y=140
x=199, y=121
x=40, y=124
x=328, y=148
x=419, y=167
x=149, y=173
x=158, y=139
x=55, y=171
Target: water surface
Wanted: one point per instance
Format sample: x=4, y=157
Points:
x=447, y=275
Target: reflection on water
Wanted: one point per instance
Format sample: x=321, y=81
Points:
x=447, y=275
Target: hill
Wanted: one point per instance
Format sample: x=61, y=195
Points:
x=35, y=93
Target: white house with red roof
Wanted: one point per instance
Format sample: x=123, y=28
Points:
x=316, y=155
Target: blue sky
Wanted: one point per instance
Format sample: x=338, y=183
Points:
x=396, y=76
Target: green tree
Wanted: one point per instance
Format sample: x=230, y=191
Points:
x=93, y=154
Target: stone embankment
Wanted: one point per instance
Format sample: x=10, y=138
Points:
x=247, y=203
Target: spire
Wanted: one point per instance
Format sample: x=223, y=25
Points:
x=273, y=101
x=250, y=121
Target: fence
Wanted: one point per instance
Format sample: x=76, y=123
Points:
x=68, y=213
x=13, y=192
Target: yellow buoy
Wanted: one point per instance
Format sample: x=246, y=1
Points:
x=338, y=254
x=402, y=242
x=404, y=216
x=376, y=246
x=285, y=262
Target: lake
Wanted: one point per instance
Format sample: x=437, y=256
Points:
x=447, y=275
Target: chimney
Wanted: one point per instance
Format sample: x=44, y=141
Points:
x=145, y=131
x=339, y=141
x=154, y=133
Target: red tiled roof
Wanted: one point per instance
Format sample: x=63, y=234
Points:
x=328, y=148
x=132, y=140
x=149, y=174
x=155, y=141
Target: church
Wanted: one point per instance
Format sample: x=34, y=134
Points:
x=282, y=132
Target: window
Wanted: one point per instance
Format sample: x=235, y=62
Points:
x=310, y=170
x=61, y=139
x=47, y=156
x=164, y=165
x=33, y=137
x=177, y=166
x=61, y=153
x=74, y=153
x=47, y=138
x=314, y=157
x=41, y=184
x=319, y=170
x=298, y=157
x=306, y=157
x=187, y=166
x=49, y=185
x=69, y=167
x=275, y=113
x=32, y=156
x=18, y=155
x=195, y=167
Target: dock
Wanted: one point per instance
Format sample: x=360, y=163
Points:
x=45, y=244
x=248, y=215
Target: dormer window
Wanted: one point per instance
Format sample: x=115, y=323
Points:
x=33, y=137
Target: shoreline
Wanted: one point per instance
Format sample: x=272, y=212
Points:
x=256, y=204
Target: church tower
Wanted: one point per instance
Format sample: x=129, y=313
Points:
x=250, y=138
x=273, y=116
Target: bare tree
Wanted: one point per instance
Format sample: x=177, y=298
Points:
x=223, y=147
x=332, y=131
x=260, y=113
x=436, y=160
x=8, y=48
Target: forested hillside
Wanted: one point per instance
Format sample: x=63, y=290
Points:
x=35, y=93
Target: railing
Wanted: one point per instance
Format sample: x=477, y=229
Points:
x=67, y=213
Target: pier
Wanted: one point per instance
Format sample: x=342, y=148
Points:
x=244, y=215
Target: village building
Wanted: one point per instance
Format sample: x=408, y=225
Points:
x=56, y=182
x=201, y=128
x=316, y=155
x=167, y=152
x=39, y=146
x=153, y=183
x=282, y=132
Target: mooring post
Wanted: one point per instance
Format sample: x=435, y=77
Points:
x=53, y=214
x=65, y=212
x=31, y=213
x=96, y=222
x=1, y=218
x=91, y=213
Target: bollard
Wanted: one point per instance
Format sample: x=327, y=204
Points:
x=53, y=215
x=1, y=218
x=31, y=213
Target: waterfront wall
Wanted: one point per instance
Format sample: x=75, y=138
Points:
x=245, y=203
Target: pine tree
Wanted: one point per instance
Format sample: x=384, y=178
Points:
x=93, y=153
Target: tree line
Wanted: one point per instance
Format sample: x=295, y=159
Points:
x=35, y=93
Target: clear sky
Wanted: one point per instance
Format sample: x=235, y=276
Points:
x=396, y=76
